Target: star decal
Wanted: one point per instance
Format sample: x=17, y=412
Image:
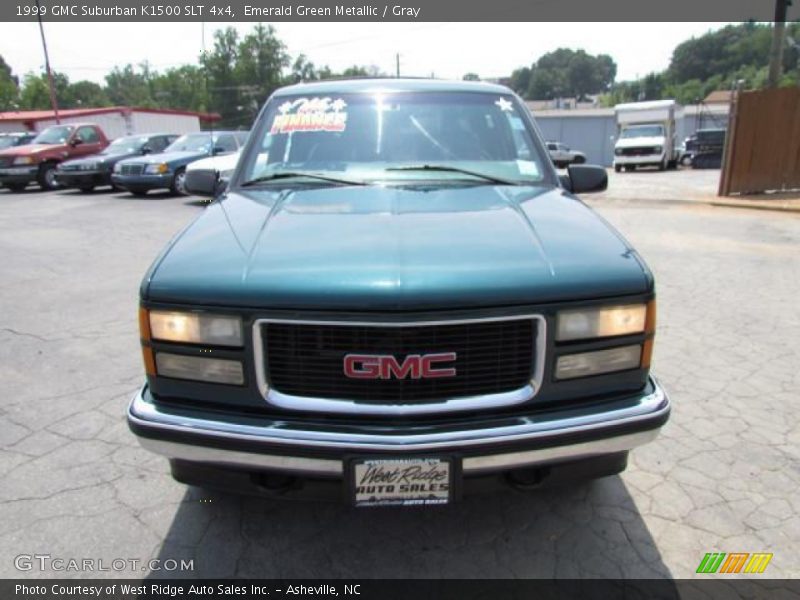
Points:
x=504, y=105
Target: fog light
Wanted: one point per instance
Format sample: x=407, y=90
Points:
x=598, y=362
x=211, y=370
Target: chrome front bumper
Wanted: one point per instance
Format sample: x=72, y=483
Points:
x=285, y=445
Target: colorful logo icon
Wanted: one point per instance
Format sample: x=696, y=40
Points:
x=734, y=562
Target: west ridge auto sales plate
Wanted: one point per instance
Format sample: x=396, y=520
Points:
x=417, y=481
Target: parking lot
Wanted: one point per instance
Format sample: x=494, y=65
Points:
x=723, y=476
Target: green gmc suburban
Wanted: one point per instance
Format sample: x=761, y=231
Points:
x=396, y=301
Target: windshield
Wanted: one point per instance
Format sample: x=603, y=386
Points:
x=192, y=142
x=643, y=131
x=126, y=145
x=399, y=137
x=7, y=141
x=54, y=135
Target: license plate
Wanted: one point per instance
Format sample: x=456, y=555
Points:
x=422, y=481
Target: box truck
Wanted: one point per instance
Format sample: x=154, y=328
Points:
x=646, y=134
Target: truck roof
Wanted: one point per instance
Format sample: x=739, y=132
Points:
x=647, y=105
x=367, y=85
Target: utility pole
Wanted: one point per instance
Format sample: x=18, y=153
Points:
x=53, y=100
x=776, y=50
x=397, y=63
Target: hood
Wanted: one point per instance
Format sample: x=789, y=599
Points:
x=220, y=162
x=640, y=141
x=386, y=248
x=170, y=158
x=105, y=159
x=28, y=149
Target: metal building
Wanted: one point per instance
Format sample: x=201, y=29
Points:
x=115, y=121
x=593, y=131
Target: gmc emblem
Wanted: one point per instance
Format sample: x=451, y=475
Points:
x=386, y=366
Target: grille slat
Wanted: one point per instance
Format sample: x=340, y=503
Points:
x=133, y=169
x=308, y=359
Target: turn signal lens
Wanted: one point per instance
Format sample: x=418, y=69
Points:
x=198, y=368
x=599, y=362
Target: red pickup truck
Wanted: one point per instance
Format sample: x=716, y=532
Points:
x=37, y=161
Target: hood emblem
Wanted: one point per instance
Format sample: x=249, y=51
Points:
x=386, y=366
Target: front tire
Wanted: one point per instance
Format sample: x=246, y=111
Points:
x=47, y=177
x=178, y=186
x=617, y=168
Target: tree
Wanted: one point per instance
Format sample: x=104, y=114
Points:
x=9, y=87
x=84, y=94
x=565, y=73
x=471, y=77
x=129, y=87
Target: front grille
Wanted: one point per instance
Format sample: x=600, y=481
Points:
x=5, y=161
x=644, y=150
x=308, y=359
x=131, y=169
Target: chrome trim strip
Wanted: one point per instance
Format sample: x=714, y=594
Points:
x=327, y=467
x=515, y=460
x=345, y=406
x=651, y=406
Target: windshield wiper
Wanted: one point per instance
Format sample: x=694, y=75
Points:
x=293, y=174
x=449, y=169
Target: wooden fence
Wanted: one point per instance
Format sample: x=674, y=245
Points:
x=762, y=148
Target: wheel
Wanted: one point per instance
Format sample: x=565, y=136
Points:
x=137, y=191
x=16, y=187
x=179, y=183
x=579, y=160
x=617, y=168
x=47, y=177
x=686, y=161
x=87, y=188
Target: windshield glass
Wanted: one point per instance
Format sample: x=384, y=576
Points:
x=7, y=141
x=54, y=135
x=643, y=131
x=192, y=142
x=126, y=145
x=388, y=137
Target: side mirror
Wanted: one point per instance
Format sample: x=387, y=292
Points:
x=76, y=141
x=202, y=182
x=584, y=179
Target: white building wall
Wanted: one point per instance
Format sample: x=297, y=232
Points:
x=117, y=124
x=164, y=123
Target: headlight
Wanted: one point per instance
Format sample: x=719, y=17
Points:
x=195, y=328
x=23, y=160
x=658, y=149
x=618, y=151
x=599, y=362
x=198, y=368
x=605, y=321
x=156, y=168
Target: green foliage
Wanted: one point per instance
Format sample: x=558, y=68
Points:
x=9, y=87
x=471, y=77
x=564, y=73
x=714, y=61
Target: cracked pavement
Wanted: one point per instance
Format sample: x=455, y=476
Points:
x=723, y=475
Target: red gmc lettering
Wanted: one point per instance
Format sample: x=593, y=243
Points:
x=371, y=366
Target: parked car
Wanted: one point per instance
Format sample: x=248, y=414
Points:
x=95, y=170
x=703, y=149
x=168, y=169
x=37, y=161
x=220, y=168
x=9, y=140
x=562, y=155
x=389, y=303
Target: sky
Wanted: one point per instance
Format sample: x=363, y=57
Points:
x=445, y=50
